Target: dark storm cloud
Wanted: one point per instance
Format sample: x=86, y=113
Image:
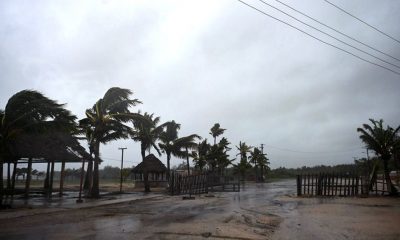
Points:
x=205, y=62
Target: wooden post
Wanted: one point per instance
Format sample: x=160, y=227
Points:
x=50, y=192
x=79, y=200
x=8, y=177
x=28, y=178
x=336, y=183
x=298, y=185
x=312, y=185
x=14, y=175
x=357, y=184
x=47, y=179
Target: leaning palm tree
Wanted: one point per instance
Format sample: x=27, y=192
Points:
x=106, y=122
x=384, y=142
x=188, y=143
x=147, y=132
x=215, y=131
x=171, y=145
x=29, y=112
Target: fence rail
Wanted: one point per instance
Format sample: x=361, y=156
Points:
x=201, y=183
x=331, y=184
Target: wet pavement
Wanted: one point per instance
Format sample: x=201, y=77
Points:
x=251, y=214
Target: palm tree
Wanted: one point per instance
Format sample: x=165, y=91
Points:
x=243, y=164
x=188, y=143
x=29, y=112
x=167, y=137
x=171, y=145
x=147, y=133
x=384, y=142
x=254, y=155
x=223, y=160
x=105, y=120
x=258, y=159
x=200, y=155
x=215, y=131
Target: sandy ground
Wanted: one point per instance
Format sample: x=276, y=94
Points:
x=259, y=211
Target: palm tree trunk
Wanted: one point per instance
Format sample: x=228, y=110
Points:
x=1, y=182
x=62, y=175
x=391, y=189
x=262, y=173
x=143, y=151
x=95, y=188
x=88, y=178
x=8, y=176
x=145, y=173
x=28, y=178
x=14, y=175
x=187, y=161
x=168, y=165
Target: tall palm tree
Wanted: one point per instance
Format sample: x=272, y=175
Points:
x=188, y=143
x=171, y=145
x=254, y=155
x=243, y=165
x=259, y=160
x=29, y=112
x=201, y=154
x=106, y=122
x=215, y=131
x=147, y=132
x=384, y=141
x=223, y=160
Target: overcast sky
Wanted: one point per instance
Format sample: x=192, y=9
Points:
x=202, y=62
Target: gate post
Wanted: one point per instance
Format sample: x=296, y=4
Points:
x=298, y=185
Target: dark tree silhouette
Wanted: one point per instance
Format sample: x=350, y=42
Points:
x=384, y=142
x=105, y=120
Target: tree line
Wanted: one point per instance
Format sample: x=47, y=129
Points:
x=35, y=127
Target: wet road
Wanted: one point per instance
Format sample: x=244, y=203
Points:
x=254, y=213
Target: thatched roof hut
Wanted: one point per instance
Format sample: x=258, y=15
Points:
x=151, y=164
x=56, y=146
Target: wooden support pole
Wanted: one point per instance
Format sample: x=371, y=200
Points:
x=50, y=192
x=28, y=178
x=298, y=185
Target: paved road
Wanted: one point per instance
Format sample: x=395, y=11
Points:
x=254, y=213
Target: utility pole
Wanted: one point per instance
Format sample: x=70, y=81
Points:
x=122, y=165
x=262, y=167
x=262, y=148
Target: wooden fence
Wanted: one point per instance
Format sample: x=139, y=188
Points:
x=201, y=183
x=192, y=184
x=331, y=184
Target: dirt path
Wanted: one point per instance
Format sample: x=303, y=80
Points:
x=260, y=211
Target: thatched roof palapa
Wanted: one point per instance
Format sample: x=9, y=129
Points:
x=151, y=164
x=56, y=146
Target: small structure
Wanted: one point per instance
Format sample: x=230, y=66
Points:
x=156, y=170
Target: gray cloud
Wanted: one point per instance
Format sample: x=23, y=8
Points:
x=202, y=62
